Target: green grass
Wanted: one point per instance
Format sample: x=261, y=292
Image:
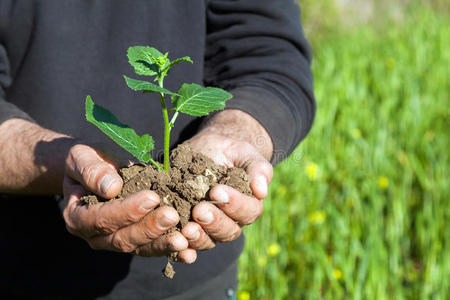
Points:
x=361, y=209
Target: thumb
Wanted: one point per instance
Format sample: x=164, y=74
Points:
x=84, y=165
x=257, y=167
x=261, y=172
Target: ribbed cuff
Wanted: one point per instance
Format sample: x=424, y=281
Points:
x=271, y=112
x=9, y=111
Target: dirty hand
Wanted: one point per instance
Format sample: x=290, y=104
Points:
x=223, y=223
x=131, y=225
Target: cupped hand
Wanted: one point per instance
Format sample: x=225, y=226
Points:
x=223, y=222
x=133, y=225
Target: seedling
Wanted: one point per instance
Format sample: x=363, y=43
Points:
x=191, y=99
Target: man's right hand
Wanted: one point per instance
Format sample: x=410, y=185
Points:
x=132, y=225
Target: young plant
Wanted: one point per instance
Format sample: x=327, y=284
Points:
x=191, y=99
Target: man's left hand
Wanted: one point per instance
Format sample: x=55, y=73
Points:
x=224, y=222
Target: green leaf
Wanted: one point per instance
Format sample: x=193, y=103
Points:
x=175, y=62
x=122, y=134
x=146, y=60
x=181, y=59
x=195, y=100
x=167, y=68
x=148, y=87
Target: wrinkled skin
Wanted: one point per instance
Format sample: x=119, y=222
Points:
x=134, y=226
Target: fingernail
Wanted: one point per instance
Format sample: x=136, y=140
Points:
x=105, y=183
x=221, y=196
x=206, y=218
x=178, y=243
x=195, y=236
x=148, y=205
x=166, y=221
x=261, y=184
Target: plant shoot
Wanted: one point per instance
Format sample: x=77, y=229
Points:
x=191, y=99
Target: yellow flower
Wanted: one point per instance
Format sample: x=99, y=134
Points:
x=274, y=249
x=383, y=182
x=244, y=295
x=390, y=63
x=337, y=274
x=317, y=217
x=312, y=170
x=350, y=202
x=262, y=261
x=402, y=158
x=411, y=275
x=281, y=191
x=356, y=133
x=429, y=135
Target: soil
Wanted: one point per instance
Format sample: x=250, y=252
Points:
x=191, y=177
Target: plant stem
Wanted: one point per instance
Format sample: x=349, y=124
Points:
x=174, y=118
x=156, y=164
x=166, y=129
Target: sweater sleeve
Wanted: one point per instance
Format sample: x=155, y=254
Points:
x=15, y=28
x=7, y=110
x=256, y=49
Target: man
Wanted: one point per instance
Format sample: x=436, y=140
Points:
x=53, y=53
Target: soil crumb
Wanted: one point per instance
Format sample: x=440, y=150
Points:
x=168, y=271
x=191, y=177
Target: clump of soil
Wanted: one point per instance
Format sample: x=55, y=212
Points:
x=191, y=177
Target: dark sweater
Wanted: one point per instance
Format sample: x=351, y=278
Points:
x=54, y=53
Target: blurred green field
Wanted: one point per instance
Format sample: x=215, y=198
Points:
x=361, y=210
